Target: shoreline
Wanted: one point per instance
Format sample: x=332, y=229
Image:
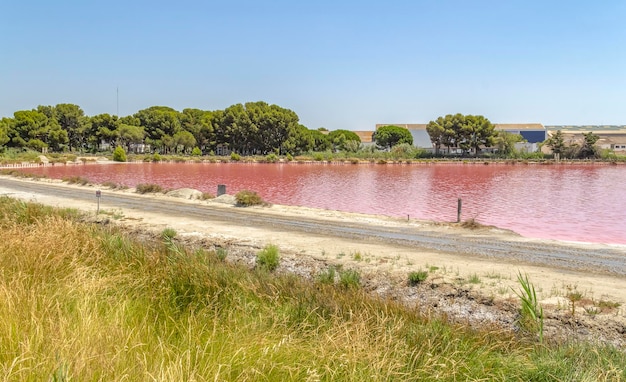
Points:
x=472, y=288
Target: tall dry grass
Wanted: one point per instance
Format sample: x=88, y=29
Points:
x=81, y=302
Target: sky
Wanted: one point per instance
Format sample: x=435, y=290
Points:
x=338, y=64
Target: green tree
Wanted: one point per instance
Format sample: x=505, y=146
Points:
x=72, y=119
x=321, y=141
x=475, y=132
x=129, y=135
x=505, y=142
x=102, y=129
x=556, y=142
x=388, y=136
x=184, y=141
x=340, y=138
x=200, y=124
x=158, y=121
x=588, y=148
x=30, y=125
x=119, y=155
x=5, y=124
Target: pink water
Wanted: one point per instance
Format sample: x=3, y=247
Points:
x=565, y=202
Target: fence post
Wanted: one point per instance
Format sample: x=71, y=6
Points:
x=458, y=210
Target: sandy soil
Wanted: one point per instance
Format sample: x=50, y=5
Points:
x=471, y=289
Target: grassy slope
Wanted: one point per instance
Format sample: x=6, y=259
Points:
x=85, y=303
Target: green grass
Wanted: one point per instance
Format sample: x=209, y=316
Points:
x=85, y=302
x=268, y=258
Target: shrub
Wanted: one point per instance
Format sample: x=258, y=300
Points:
x=156, y=157
x=168, y=233
x=76, y=180
x=196, y=152
x=327, y=276
x=145, y=188
x=206, y=196
x=289, y=157
x=247, y=198
x=268, y=258
x=417, y=277
x=119, y=155
x=221, y=253
x=349, y=278
x=271, y=158
x=234, y=156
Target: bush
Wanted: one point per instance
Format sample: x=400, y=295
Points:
x=247, y=198
x=349, y=278
x=417, y=277
x=221, y=253
x=145, y=188
x=76, y=180
x=234, y=156
x=271, y=158
x=119, y=155
x=268, y=258
x=168, y=233
x=327, y=276
x=156, y=157
x=289, y=157
x=196, y=152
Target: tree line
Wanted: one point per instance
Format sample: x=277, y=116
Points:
x=248, y=129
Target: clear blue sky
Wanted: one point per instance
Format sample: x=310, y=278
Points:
x=337, y=64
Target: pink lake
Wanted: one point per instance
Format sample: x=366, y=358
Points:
x=565, y=202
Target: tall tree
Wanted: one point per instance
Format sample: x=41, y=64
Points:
x=340, y=138
x=129, y=135
x=199, y=124
x=158, y=121
x=102, y=129
x=72, y=119
x=388, y=136
x=184, y=142
x=556, y=142
x=477, y=131
x=588, y=148
x=505, y=142
x=5, y=123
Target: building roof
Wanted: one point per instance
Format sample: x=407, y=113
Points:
x=519, y=126
x=409, y=126
x=366, y=136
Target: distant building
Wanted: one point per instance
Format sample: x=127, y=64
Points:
x=531, y=132
x=611, y=137
x=367, y=137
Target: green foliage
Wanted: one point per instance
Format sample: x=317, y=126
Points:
x=349, y=278
x=417, y=277
x=146, y=188
x=221, y=253
x=268, y=258
x=168, y=233
x=77, y=180
x=466, y=132
x=246, y=198
x=556, y=142
x=387, y=137
x=156, y=157
x=531, y=313
x=235, y=157
x=196, y=151
x=327, y=276
x=341, y=139
x=271, y=158
x=119, y=155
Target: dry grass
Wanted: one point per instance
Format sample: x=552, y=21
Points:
x=81, y=303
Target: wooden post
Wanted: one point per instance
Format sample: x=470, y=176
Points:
x=458, y=211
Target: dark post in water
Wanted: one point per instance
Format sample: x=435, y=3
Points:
x=458, y=211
